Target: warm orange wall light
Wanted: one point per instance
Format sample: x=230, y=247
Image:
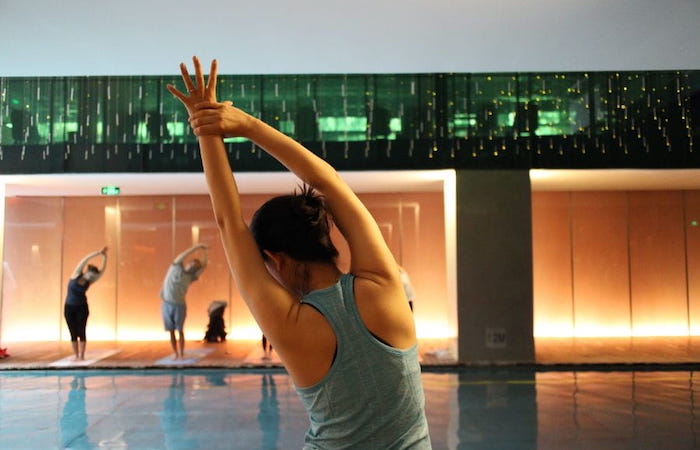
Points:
x=615, y=263
x=49, y=235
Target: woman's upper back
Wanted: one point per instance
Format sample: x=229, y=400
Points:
x=314, y=341
x=371, y=397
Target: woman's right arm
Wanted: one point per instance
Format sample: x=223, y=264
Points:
x=371, y=257
x=277, y=313
x=379, y=292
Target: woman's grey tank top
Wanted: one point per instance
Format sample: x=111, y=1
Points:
x=372, y=397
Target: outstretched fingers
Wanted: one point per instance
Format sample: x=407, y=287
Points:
x=186, y=77
x=173, y=90
x=189, y=86
x=198, y=75
x=211, y=81
x=197, y=91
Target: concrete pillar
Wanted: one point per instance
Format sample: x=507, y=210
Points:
x=494, y=267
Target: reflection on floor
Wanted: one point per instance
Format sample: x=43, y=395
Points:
x=482, y=408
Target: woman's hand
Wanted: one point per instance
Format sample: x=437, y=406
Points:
x=197, y=91
x=207, y=116
x=221, y=119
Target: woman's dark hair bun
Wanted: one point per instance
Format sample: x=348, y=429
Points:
x=297, y=224
x=312, y=206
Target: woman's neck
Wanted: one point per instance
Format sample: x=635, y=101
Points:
x=318, y=276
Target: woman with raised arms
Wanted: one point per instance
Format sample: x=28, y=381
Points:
x=347, y=340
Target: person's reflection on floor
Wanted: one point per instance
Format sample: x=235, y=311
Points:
x=173, y=417
x=74, y=420
x=268, y=413
x=216, y=378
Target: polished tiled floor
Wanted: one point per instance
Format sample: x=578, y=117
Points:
x=480, y=408
x=580, y=394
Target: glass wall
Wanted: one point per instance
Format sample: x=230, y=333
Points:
x=547, y=120
x=32, y=277
x=46, y=237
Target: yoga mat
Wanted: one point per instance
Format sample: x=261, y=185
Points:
x=191, y=357
x=91, y=356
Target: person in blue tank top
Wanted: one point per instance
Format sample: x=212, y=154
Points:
x=75, y=308
x=347, y=340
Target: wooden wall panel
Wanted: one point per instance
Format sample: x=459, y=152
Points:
x=692, y=233
x=657, y=263
x=552, y=279
x=600, y=264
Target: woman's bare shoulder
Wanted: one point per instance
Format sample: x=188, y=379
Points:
x=308, y=351
x=384, y=310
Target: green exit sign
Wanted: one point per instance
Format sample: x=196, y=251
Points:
x=110, y=190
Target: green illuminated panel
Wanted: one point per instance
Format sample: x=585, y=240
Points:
x=629, y=110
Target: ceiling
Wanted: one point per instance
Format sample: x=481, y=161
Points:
x=69, y=185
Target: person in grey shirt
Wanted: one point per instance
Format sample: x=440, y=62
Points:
x=182, y=272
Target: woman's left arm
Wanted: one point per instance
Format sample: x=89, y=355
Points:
x=102, y=252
